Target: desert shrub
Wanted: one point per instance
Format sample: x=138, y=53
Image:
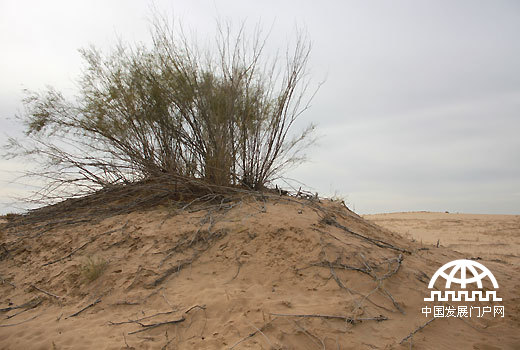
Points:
x=222, y=114
x=92, y=268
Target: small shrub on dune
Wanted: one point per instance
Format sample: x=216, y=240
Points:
x=93, y=268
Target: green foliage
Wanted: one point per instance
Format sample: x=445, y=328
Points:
x=221, y=114
x=92, y=268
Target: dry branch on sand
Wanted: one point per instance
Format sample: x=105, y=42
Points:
x=142, y=318
x=149, y=326
x=352, y=320
x=28, y=304
x=6, y=281
x=26, y=307
x=252, y=334
x=417, y=330
x=84, y=308
x=329, y=220
x=91, y=240
x=21, y=322
x=45, y=292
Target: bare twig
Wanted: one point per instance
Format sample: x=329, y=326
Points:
x=25, y=305
x=396, y=304
x=202, y=307
x=92, y=239
x=141, y=319
x=370, y=271
x=342, y=266
x=125, y=302
x=168, y=341
x=187, y=262
x=126, y=343
x=181, y=265
x=389, y=274
x=6, y=281
x=86, y=307
x=167, y=301
x=239, y=265
x=382, y=244
x=417, y=330
x=26, y=309
x=45, y=292
x=250, y=335
x=311, y=336
x=340, y=317
x=16, y=324
x=147, y=327
x=262, y=333
x=338, y=281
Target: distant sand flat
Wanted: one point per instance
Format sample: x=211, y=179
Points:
x=477, y=235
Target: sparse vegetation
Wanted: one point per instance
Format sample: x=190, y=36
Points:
x=93, y=268
x=222, y=114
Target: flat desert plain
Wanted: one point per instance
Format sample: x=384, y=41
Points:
x=489, y=237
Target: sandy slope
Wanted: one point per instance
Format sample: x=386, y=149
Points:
x=231, y=278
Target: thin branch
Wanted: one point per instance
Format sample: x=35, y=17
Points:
x=147, y=327
x=250, y=335
x=382, y=244
x=339, y=317
x=26, y=309
x=262, y=333
x=417, y=330
x=85, y=308
x=141, y=319
x=22, y=306
x=202, y=307
x=16, y=324
x=6, y=281
x=91, y=240
x=45, y=292
x=311, y=336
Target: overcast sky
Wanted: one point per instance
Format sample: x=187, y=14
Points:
x=420, y=109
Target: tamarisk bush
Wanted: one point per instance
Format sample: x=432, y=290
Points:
x=222, y=114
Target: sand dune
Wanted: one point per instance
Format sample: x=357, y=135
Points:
x=281, y=274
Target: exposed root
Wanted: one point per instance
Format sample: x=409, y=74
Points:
x=329, y=220
x=91, y=240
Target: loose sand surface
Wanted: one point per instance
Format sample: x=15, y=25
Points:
x=490, y=237
x=250, y=274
